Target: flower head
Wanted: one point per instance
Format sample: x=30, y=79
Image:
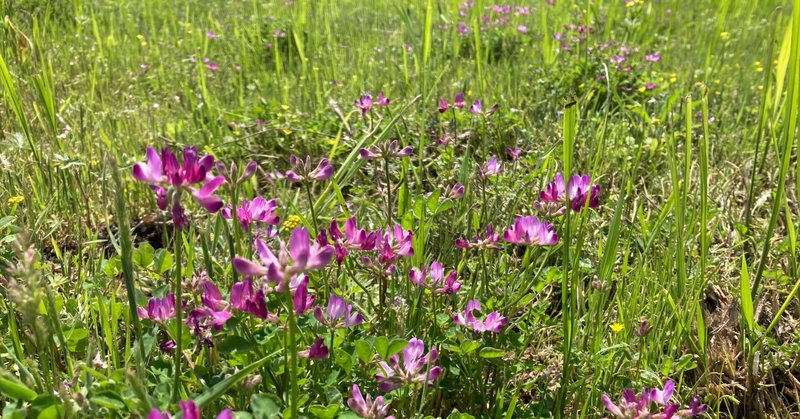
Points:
x=491, y=167
x=388, y=149
x=382, y=100
x=352, y=238
x=632, y=406
x=529, y=231
x=581, y=191
x=493, y=322
x=432, y=277
x=477, y=108
x=159, y=310
x=168, y=178
x=653, y=58
x=245, y=298
x=412, y=368
x=317, y=350
x=258, y=210
x=364, y=103
x=306, y=255
x=338, y=314
x=368, y=408
x=489, y=241
x=302, y=169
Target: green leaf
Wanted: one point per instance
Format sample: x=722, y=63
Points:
x=324, y=412
x=223, y=386
x=75, y=337
x=382, y=347
x=396, y=346
x=264, y=407
x=344, y=360
x=15, y=389
x=744, y=293
x=489, y=353
x=363, y=350
x=162, y=261
x=113, y=403
x=234, y=343
x=143, y=255
x=469, y=346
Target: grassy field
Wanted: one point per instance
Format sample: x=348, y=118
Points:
x=455, y=209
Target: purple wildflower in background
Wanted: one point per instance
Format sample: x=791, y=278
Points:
x=364, y=103
x=168, y=179
x=301, y=169
x=432, y=277
x=529, y=231
x=489, y=241
x=245, y=298
x=493, y=322
x=581, y=191
x=412, y=368
x=653, y=58
x=477, y=108
x=617, y=59
x=522, y=29
x=338, y=314
x=382, y=100
x=258, y=210
x=301, y=301
x=458, y=103
x=210, y=64
x=631, y=406
x=491, y=167
x=159, y=310
x=211, y=35
x=189, y=410
x=306, y=255
x=352, y=238
x=514, y=153
x=368, y=408
x=214, y=313
x=318, y=350
x=463, y=29
x=455, y=192
x=385, y=150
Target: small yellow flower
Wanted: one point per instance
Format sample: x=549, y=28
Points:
x=655, y=121
x=285, y=107
x=616, y=327
x=291, y=222
x=724, y=36
x=140, y=37
x=287, y=132
x=16, y=200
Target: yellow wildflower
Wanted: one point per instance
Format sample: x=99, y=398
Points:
x=291, y=222
x=16, y=200
x=616, y=327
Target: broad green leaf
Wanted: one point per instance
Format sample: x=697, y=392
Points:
x=15, y=389
x=744, y=294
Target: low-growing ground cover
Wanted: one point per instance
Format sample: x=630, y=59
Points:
x=413, y=209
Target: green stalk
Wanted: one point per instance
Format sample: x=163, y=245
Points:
x=311, y=206
x=291, y=355
x=178, y=291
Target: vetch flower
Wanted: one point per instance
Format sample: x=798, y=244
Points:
x=514, y=153
x=640, y=407
x=552, y=200
x=431, y=277
x=337, y=314
x=301, y=169
x=491, y=167
x=352, y=238
x=653, y=58
x=364, y=103
x=159, y=310
x=301, y=301
x=168, y=178
x=245, y=298
x=493, y=322
x=189, y=410
x=382, y=100
x=368, y=408
x=458, y=103
x=317, y=351
x=258, y=210
x=489, y=241
x=529, y=231
x=477, y=108
x=388, y=149
x=455, y=192
x=306, y=255
x=412, y=368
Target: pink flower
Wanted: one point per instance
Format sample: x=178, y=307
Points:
x=301, y=301
x=653, y=58
x=463, y=29
x=529, y=231
x=367, y=408
x=258, y=210
x=492, y=167
x=211, y=35
x=477, y=108
x=352, y=238
x=168, y=179
x=382, y=100
x=245, y=298
x=301, y=169
x=522, y=29
x=455, y=192
x=513, y=153
x=493, y=322
x=552, y=200
x=364, y=103
x=385, y=150
x=337, y=314
x=305, y=255
x=489, y=241
x=317, y=351
x=631, y=406
x=189, y=410
x=412, y=369
x=159, y=310
x=431, y=277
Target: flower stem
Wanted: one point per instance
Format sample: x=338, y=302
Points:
x=388, y=190
x=178, y=291
x=291, y=356
x=311, y=207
